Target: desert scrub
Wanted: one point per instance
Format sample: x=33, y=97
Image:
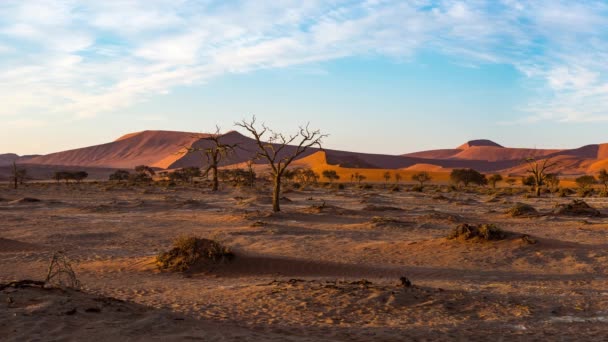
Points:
x=485, y=232
x=189, y=250
x=521, y=209
x=576, y=208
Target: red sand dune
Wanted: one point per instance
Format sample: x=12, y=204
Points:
x=153, y=148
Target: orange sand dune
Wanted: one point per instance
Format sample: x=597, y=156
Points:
x=318, y=163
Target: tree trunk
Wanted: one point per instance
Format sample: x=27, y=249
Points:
x=216, y=182
x=15, y=175
x=537, y=191
x=276, y=207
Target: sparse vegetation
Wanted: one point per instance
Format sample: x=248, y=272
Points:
x=330, y=175
x=483, y=232
x=493, y=179
x=585, y=181
x=120, y=176
x=421, y=177
x=214, y=154
x=387, y=177
x=67, y=176
x=278, y=152
x=189, y=250
x=538, y=170
x=186, y=175
x=60, y=272
x=576, y=208
x=602, y=178
x=552, y=180
x=18, y=176
x=522, y=209
x=467, y=176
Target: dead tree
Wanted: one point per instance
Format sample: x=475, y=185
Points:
x=538, y=169
x=18, y=175
x=276, y=150
x=213, y=154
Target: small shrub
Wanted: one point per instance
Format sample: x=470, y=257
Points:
x=188, y=250
x=576, y=208
x=395, y=188
x=584, y=192
x=565, y=192
x=522, y=209
x=485, y=232
x=417, y=188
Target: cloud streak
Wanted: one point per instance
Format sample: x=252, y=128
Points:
x=81, y=59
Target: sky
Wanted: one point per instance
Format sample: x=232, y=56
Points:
x=379, y=76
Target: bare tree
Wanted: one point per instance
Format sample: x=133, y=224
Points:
x=538, y=170
x=422, y=177
x=213, y=154
x=18, y=175
x=387, y=177
x=273, y=147
x=250, y=171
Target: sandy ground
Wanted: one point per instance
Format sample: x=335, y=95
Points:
x=326, y=268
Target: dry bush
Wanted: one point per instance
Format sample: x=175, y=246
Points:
x=61, y=273
x=484, y=232
x=190, y=250
x=522, y=209
x=575, y=208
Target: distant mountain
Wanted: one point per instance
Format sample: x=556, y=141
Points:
x=161, y=149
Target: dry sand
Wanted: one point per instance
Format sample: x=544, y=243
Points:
x=326, y=268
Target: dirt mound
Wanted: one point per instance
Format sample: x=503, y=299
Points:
x=481, y=232
x=25, y=200
x=372, y=207
x=33, y=312
x=389, y=222
x=193, y=204
x=522, y=209
x=324, y=208
x=441, y=216
x=575, y=208
x=11, y=246
x=188, y=251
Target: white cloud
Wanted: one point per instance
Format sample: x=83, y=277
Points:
x=81, y=59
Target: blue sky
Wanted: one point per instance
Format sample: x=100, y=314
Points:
x=378, y=76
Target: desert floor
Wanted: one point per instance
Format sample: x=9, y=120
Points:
x=326, y=268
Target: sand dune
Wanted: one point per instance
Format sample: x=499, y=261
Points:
x=151, y=148
x=161, y=149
